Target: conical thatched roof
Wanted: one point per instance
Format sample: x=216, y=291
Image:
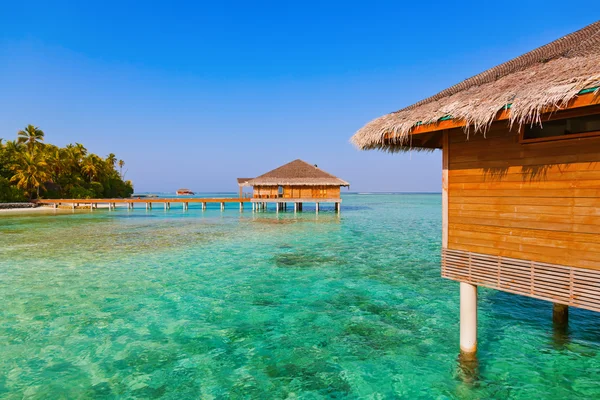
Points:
x=299, y=173
x=547, y=77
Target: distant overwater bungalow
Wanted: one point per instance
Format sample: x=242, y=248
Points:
x=295, y=183
x=521, y=176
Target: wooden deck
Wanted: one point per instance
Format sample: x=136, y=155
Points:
x=146, y=200
x=298, y=200
x=257, y=203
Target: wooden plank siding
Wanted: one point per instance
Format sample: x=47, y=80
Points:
x=298, y=192
x=536, y=202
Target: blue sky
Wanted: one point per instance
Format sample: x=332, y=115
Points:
x=196, y=94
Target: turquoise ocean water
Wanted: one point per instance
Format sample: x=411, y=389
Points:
x=218, y=305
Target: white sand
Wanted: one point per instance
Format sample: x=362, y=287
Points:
x=50, y=209
x=25, y=210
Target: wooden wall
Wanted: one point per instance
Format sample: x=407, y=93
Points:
x=296, y=192
x=265, y=192
x=537, y=202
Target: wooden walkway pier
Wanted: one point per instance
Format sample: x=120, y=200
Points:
x=257, y=204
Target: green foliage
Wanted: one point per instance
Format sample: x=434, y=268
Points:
x=78, y=192
x=10, y=193
x=29, y=168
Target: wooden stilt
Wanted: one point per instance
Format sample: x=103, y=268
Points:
x=241, y=206
x=560, y=315
x=468, y=318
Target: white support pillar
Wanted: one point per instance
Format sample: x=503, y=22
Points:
x=73, y=206
x=468, y=318
x=295, y=207
x=317, y=207
x=222, y=206
x=165, y=206
x=203, y=206
x=241, y=206
x=186, y=206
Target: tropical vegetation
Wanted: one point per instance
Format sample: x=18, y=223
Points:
x=31, y=168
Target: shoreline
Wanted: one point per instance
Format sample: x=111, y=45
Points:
x=43, y=208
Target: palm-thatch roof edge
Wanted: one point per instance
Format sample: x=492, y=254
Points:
x=297, y=173
x=547, y=77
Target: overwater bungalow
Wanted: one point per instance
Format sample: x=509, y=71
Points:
x=297, y=182
x=521, y=175
x=184, y=192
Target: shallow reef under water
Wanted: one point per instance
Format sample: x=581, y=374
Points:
x=175, y=304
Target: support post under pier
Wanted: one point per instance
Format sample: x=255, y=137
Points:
x=560, y=315
x=468, y=319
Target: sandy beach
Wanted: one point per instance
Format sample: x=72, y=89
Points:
x=44, y=209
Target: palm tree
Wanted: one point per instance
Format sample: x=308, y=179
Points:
x=12, y=148
x=30, y=172
x=31, y=135
x=121, y=165
x=111, y=159
x=91, y=166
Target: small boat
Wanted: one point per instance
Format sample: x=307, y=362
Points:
x=184, y=192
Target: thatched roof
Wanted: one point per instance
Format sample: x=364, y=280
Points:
x=547, y=77
x=243, y=181
x=299, y=173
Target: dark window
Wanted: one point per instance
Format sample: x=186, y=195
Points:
x=563, y=128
